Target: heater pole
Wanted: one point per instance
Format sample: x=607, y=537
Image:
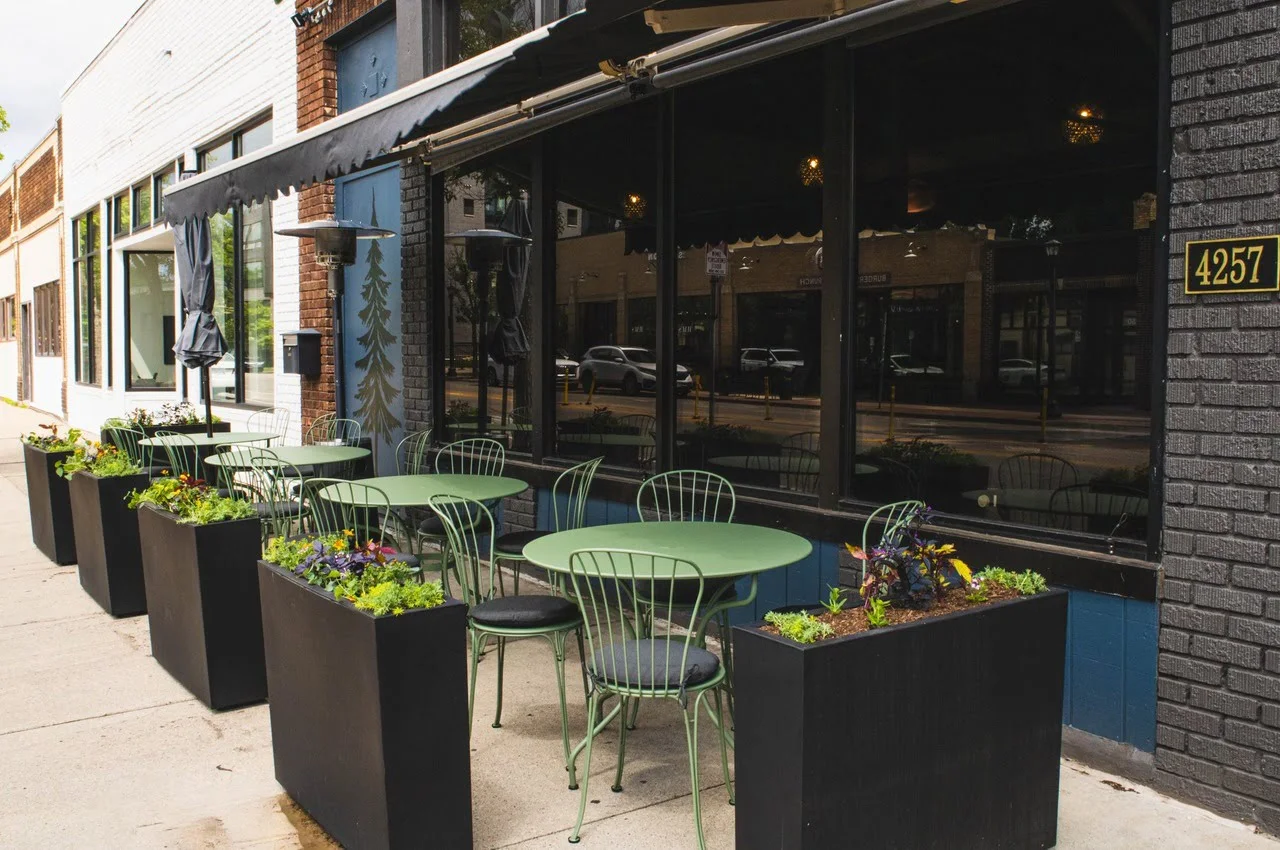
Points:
x=339, y=388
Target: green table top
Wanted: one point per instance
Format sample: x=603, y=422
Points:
x=225, y=438
x=293, y=455
x=407, y=491
x=492, y=426
x=796, y=465
x=719, y=549
x=608, y=439
x=1032, y=499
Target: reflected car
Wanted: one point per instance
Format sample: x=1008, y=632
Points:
x=627, y=368
x=1016, y=372
x=778, y=359
x=566, y=368
x=905, y=364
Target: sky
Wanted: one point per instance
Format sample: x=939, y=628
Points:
x=46, y=46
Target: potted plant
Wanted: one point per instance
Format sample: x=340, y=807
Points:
x=181, y=417
x=943, y=474
x=941, y=692
x=106, y=531
x=366, y=670
x=199, y=561
x=48, y=498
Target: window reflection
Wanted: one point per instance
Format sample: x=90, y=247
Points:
x=151, y=319
x=970, y=337
x=485, y=24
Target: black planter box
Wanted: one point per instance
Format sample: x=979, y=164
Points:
x=369, y=716
x=942, y=733
x=49, y=500
x=202, y=605
x=197, y=428
x=110, y=557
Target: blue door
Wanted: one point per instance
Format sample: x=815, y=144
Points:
x=373, y=363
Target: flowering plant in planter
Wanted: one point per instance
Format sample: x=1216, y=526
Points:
x=49, y=440
x=366, y=575
x=912, y=579
x=173, y=413
x=103, y=460
x=191, y=500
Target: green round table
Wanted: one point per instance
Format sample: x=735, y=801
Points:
x=223, y=438
x=292, y=455
x=644, y=440
x=719, y=549
x=412, y=491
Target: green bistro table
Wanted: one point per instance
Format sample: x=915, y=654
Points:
x=204, y=441
x=1040, y=501
x=642, y=440
x=413, y=491
x=796, y=465
x=292, y=455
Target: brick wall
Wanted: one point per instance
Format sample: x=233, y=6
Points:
x=318, y=102
x=39, y=188
x=1218, y=712
x=415, y=301
x=6, y=214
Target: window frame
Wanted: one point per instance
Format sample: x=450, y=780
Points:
x=157, y=190
x=135, y=208
x=46, y=300
x=8, y=318
x=128, y=326
x=87, y=259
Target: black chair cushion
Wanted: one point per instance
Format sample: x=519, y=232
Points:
x=652, y=664
x=686, y=592
x=513, y=542
x=432, y=525
x=278, y=509
x=405, y=558
x=525, y=612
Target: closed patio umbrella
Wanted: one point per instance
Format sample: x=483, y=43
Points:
x=508, y=343
x=201, y=343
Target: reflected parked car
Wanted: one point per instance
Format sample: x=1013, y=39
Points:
x=1016, y=372
x=905, y=364
x=778, y=359
x=630, y=369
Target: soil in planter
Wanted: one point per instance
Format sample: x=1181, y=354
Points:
x=851, y=620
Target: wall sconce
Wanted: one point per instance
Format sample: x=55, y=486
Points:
x=634, y=206
x=312, y=14
x=811, y=171
x=1084, y=127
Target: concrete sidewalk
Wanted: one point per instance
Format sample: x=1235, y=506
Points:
x=99, y=748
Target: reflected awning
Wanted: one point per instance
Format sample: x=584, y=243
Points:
x=532, y=64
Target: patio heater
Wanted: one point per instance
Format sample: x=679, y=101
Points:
x=486, y=249
x=1051, y=250
x=336, y=249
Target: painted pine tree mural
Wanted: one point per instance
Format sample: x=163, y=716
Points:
x=377, y=391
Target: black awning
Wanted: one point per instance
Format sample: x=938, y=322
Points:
x=552, y=56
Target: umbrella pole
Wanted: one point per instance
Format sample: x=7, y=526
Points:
x=208, y=401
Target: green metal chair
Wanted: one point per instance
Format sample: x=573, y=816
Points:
x=501, y=618
x=572, y=488
x=413, y=453
x=269, y=486
x=183, y=454
x=273, y=420
x=663, y=663
x=328, y=430
x=894, y=517
x=361, y=508
x=233, y=464
x=126, y=440
x=472, y=456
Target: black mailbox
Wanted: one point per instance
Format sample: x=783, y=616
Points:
x=302, y=353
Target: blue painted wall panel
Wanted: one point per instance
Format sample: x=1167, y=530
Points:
x=1109, y=687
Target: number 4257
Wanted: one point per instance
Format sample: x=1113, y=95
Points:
x=1229, y=266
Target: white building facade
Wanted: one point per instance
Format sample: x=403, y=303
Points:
x=174, y=91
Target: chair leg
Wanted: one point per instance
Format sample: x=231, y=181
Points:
x=558, y=642
x=582, y=656
x=593, y=706
x=622, y=746
x=719, y=720
x=691, y=738
x=502, y=654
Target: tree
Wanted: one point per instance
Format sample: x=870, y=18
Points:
x=4, y=124
x=377, y=389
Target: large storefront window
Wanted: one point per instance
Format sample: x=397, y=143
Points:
x=149, y=289
x=485, y=24
x=1002, y=309
x=87, y=284
x=606, y=287
x=243, y=289
x=749, y=225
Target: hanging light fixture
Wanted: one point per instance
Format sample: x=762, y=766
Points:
x=1084, y=127
x=634, y=206
x=811, y=171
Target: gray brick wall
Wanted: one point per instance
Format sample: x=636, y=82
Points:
x=1218, y=692
x=415, y=297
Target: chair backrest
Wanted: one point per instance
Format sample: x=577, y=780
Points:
x=573, y=487
x=616, y=588
x=1035, y=471
x=126, y=440
x=361, y=508
x=268, y=484
x=472, y=456
x=319, y=429
x=413, y=453
x=797, y=470
x=806, y=441
x=892, y=478
x=468, y=527
x=183, y=454
x=645, y=426
x=1097, y=508
x=234, y=462
x=273, y=420
x=895, y=516
x=690, y=495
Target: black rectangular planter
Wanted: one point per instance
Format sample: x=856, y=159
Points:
x=203, y=607
x=369, y=716
x=943, y=733
x=197, y=428
x=110, y=556
x=49, y=500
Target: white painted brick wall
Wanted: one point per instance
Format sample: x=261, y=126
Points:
x=178, y=76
